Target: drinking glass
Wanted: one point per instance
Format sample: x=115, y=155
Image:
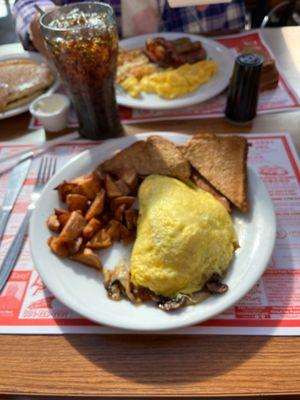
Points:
x=82, y=39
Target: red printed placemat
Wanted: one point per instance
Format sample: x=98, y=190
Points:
x=282, y=98
x=272, y=307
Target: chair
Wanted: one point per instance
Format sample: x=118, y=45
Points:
x=282, y=14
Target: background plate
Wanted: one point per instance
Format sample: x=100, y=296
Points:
x=81, y=288
x=219, y=53
x=40, y=59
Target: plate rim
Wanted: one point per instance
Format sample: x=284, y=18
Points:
x=236, y=295
x=39, y=58
x=133, y=103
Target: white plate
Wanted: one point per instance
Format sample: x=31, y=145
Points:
x=220, y=54
x=40, y=59
x=81, y=288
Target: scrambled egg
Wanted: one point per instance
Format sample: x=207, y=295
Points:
x=172, y=83
x=184, y=235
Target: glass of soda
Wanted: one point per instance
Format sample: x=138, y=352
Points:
x=83, y=41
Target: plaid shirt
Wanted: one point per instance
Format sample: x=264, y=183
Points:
x=186, y=19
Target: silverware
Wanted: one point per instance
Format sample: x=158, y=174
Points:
x=42, y=147
x=46, y=170
x=15, y=183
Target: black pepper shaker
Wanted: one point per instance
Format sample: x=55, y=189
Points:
x=244, y=88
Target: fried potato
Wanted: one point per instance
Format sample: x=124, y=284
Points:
x=117, y=231
x=119, y=212
x=129, y=176
x=112, y=189
x=114, y=230
x=131, y=217
x=58, y=247
x=77, y=202
x=53, y=223
x=124, y=189
x=89, y=185
x=74, y=245
x=63, y=219
x=118, y=201
x=66, y=188
x=60, y=211
x=73, y=228
x=93, y=226
x=100, y=240
x=97, y=205
x=88, y=257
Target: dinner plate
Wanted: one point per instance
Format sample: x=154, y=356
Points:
x=80, y=287
x=40, y=59
x=216, y=51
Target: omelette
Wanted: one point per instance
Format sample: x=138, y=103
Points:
x=184, y=237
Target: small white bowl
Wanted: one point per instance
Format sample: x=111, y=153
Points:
x=51, y=110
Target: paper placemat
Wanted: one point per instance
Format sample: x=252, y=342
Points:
x=272, y=307
x=282, y=98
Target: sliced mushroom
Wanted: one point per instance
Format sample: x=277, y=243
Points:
x=215, y=286
x=119, y=277
x=112, y=286
x=168, y=304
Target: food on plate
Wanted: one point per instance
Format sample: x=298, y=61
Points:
x=95, y=216
x=180, y=228
x=180, y=81
x=174, y=53
x=173, y=203
x=269, y=74
x=156, y=155
x=21, y=81
x=203, y=184
x=221, y=160
x=168, y=68
x=133, y=64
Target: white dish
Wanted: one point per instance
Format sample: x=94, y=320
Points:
x=55, y=118
x=40, y=59
x=81, y=288
x=219, y=53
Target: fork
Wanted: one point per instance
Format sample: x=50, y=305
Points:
x=46, y=170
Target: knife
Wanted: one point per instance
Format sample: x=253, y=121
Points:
x=15, y=183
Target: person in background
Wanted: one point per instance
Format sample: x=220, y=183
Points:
x=136, y=17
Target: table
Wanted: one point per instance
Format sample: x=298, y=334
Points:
x=160, y=365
